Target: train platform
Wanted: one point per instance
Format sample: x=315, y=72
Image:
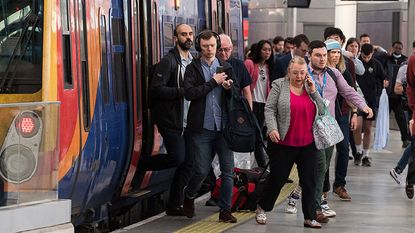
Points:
x=379, y=205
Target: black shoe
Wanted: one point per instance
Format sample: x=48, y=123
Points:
x=189, y=207
x=405, y=143
x=351, y=157
x=409, y=189
x=226, y=216
x=366, y=162
x=176, y=211
x=210, y=202
x=358, y=159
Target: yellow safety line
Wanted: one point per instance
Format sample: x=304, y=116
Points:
x=211, y=223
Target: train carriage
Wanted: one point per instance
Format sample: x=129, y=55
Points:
x=77, y=73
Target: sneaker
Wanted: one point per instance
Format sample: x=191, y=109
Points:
x=358, y=159
x=396, y=176
x=325, y=209
x=405, y=143
x=342, y=193
x=291, y=206
x=311, y=224
x=226, y=216
x=321, y=218
x=210, y=202
x=409, y=189
x=260, y=216
x=366, y=162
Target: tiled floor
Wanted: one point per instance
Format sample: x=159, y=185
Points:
x=378, y=205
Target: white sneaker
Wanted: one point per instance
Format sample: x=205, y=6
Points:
x=325, y=209
x=396, y=176
x=291, y=206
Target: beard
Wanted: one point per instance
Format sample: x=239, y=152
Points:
x=185, y=45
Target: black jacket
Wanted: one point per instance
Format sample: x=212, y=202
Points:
x=167, y=92
x=196, y=89
x=392, y=66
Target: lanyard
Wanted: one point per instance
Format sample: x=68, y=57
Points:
x=320, y=89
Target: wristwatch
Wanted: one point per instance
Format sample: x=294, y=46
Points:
x=353, y=113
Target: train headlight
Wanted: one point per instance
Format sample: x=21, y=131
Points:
x=20, y=149
x=17, y=163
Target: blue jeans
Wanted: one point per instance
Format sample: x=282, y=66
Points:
x=206, y=144
x=342, y=155
x=403, y=161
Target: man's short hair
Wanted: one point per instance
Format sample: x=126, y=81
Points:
x=315, y=44
x=364, y=35
x=397, y=42
x=289, y=40
x=277, y=39
x=175, y=29
x=298, y=39
x=413, y=44
x=329, y=31
x=366, y=49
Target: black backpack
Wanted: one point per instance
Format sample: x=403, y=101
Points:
x=242, y=129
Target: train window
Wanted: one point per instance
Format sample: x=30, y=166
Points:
x=66, y=46
x=138, y=58
x=155, y=33
x=168, y=34
x=104, y=62
x=21, y=46
x=119, y=62
x=220, y=16
x=84, y=66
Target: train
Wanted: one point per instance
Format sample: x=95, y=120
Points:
x=74, y=103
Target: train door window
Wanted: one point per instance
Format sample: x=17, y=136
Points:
x=220, y=16
x=168, y=35
x=84, y=65
x=234, y=37
x=104, y=61
x=138, y=58
x=118, y=55
x=66, y=46
x=155, y=33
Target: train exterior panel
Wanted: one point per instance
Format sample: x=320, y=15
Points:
x=91, y=61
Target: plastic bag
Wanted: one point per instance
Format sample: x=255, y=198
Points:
x=382, y=123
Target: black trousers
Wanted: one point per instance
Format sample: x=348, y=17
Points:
x=282, y=159
x=395, y=105
x=410, y=177
x=260, y=157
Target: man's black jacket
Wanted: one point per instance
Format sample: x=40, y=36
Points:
x=167, y=92
x=196, y=89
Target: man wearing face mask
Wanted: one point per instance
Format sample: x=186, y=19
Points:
x=392, y=64
x=169, y=111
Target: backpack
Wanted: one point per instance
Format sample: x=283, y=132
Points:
x=242, y=129
x=247, y=188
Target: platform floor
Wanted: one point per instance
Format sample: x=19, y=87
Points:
x=379, y=205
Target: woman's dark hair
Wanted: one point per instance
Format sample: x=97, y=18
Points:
x=256, y=54
x=351, y=40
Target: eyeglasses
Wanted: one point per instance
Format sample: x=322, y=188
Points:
x=224, y=50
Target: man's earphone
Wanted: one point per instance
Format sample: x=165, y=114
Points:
x=198, y=37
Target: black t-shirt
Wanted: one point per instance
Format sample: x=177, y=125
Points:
x=242, y=76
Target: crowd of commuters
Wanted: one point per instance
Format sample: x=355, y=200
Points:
x=287, y=82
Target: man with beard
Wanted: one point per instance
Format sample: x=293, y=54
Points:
x=169, y=111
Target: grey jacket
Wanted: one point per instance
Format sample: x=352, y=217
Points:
x=277, y=109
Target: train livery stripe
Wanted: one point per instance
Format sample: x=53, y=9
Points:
x=49, y=69
x=211, y=224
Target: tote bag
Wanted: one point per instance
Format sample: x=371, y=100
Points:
x=326, y=131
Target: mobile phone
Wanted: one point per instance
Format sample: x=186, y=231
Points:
x=220, y=69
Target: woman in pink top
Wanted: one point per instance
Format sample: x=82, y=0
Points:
x=289, y=114
x=259, y=67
